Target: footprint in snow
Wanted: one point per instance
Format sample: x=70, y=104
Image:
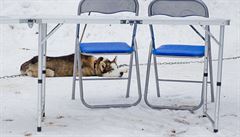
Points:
x=174, y=133
x=8, y=120
x=27, y=134
x=182, y=121
x=60, y=117
x=56, y=125
x=25, y=5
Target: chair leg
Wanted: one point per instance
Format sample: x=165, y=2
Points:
x=147, y=77
x=129, y=75
x=138, y=78
x=75, y=67
x=156, y=75
x=79, y=64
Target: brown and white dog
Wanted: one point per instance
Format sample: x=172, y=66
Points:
x=63, y=66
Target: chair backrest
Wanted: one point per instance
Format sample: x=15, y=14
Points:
x=108, y=6
x=178, y=8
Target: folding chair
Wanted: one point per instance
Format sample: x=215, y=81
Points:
x=180, y=8
x=107, y=48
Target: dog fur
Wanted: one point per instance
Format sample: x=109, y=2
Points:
x=63, y=66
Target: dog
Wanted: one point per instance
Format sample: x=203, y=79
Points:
x=63, y=66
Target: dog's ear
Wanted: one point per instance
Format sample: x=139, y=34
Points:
x=100, y=59
x=115, y=60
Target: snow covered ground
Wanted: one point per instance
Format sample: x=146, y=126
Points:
x=66, y=117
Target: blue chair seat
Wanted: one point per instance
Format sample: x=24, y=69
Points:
x=105, y=47
x=180, y=50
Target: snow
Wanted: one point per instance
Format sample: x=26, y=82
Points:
x=66, y=117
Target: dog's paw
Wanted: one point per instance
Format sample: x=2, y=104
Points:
x=29, y=73
x=123, y=68
x=114, y=73
x=50, y=73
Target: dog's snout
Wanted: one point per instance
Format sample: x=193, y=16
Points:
x=121, y=74
x=23, y=67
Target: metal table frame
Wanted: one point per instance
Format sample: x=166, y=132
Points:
x=43, y=21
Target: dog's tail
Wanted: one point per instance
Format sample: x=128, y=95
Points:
x=25, y=65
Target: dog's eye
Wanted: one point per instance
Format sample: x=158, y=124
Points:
x=103, y=66
x=109, y=68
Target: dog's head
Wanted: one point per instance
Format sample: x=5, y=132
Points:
x=107, y=68
x=25, y=66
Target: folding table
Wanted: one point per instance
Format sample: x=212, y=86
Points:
x=43, y=21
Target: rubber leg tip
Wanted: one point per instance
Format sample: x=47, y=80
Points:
x=44, y=115
x=204, y=116
x=39, y=129
x=215, y=130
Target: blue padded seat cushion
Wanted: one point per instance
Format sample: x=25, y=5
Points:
x=180, y=50
x=105, y=47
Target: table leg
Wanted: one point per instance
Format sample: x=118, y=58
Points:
x=205, y=75
x=44, y=34
x=219, y=79
x=40, y=77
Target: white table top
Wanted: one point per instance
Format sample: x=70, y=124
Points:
x=113, y=20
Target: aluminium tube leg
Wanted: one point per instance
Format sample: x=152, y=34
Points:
x=138, y=75
x=44, y=34
x=129, y=75
x=219, y=79
x=148, y=76
x=205, y=75
x=156, y=75
x=210, y=66
x=75, y=68
x=211, y=73
x=79, y=64
x=40, y=77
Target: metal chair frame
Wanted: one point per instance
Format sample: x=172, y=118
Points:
x=77, y=63
x=207, y=59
